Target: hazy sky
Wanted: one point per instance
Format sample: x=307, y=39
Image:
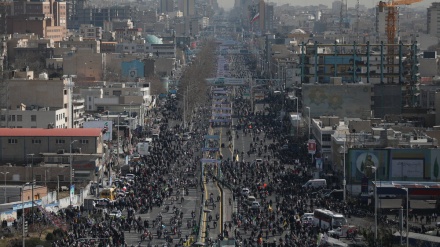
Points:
x=227, y=4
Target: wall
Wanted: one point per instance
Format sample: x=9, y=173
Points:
x=387, y=100
x=43, y=119
x=16, y=152
x=35, y=92
x=350, y=100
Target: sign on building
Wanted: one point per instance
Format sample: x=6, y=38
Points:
x=311, y=146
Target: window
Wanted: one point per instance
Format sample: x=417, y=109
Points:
x=36, y=141
x=12, y=141
x=3, y=118
x=19, y=118
x=38, y=178
x=60, y=141
x=61, y=177
x=84, y=141
x=326, y=137
x=33, y=118
x=65, y=92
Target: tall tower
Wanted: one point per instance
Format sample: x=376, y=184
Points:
x=262, y=11
x=433, y=16
x=166, y=6
x=189, y=8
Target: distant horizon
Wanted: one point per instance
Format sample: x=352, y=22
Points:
x=229, y=4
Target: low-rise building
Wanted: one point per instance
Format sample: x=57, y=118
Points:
x=16, y=145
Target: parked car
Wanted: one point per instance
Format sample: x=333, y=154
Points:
x=64, y=188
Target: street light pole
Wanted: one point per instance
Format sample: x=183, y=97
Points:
x=297, y=119
x=129, y=110
x=407, y=210
x=5, y=184
x=308, y=108
x=344, y=181
x=32, y=181
x=71, y=179
x=22, y=214
x=375, y=202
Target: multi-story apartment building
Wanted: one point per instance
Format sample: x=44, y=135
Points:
x=36, y=117
x=45, y=18
x=30, y=106
x=88, y=31
x=166, y=6
x=189, y=8
x=433, y=19
x=16, y=144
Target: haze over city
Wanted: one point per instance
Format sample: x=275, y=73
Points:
x=228, y=4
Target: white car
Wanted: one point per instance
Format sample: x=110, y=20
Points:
x=308, y=220
x=130, y=176
x=433, y=232
x=116, y=213
x=255, y=205
x=245, y=191
x=186, y=136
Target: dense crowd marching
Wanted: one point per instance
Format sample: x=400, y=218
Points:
x=164, y=178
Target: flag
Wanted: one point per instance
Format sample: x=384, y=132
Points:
x=256, y=17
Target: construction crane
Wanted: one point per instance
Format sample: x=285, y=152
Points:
x=391, y=28
x=391, y=18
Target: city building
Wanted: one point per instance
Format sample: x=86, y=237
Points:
x=28, y=98
x=36, y=117
x=368, y=63
x=45, y=18
x=189, y=8
x=166, y=6
x=17, y=143
x=433, y=19
x=88, y=31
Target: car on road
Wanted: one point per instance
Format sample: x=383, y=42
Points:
x=103, y=202
x=245, y=192
x=130, y=176
x=435, y=232
x=308, y=220
x=64, y=188
x=186, y=136
x=255, y=205
x=116, y=213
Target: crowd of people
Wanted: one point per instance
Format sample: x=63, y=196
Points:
x=161, y=181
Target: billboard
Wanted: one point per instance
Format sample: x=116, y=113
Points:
x=101, y=125
x=419, y=164
x=361, y=161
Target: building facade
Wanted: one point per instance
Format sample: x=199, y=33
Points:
x=433, y=18
x=16, y=144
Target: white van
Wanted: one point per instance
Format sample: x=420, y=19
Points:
x=315, y=183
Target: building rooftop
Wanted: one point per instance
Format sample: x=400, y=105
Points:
x=30, y=132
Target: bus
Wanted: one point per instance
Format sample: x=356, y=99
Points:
x=328, y=220
x=108, y=193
